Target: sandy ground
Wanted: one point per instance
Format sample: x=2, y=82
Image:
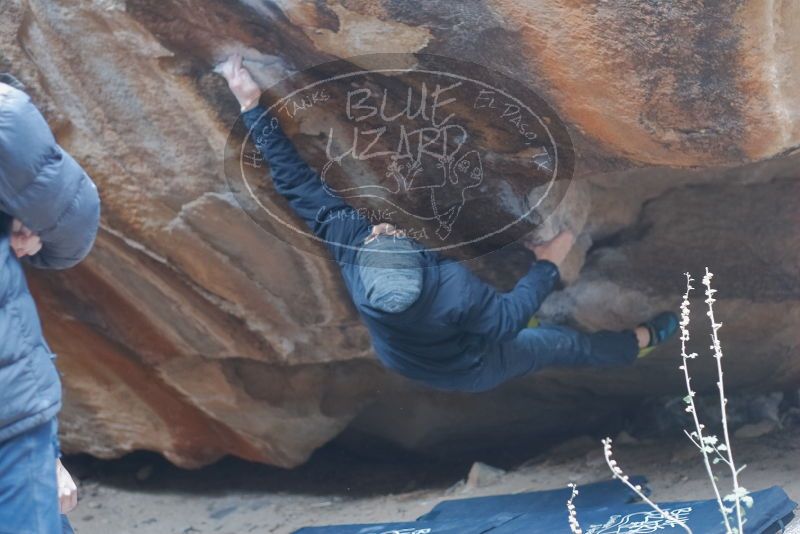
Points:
x=143, y=494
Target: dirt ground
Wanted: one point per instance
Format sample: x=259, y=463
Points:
x=143, y=494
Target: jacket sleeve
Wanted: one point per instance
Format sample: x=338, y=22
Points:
x=42, y=186
x=328, y=216
x=500, y=316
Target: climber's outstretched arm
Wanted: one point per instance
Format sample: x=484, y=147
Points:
x=329, y=217
x=497, y=316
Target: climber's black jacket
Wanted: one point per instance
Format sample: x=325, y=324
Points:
x=444, y=332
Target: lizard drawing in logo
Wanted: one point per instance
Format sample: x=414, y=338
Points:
x=429, y=185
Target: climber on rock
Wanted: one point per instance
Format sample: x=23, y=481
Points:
x=49, y=213
x=430, y=319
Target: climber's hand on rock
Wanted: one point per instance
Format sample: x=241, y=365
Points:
x=23, y=241
x=67, y=491
x=556, y=249
x=384, y=229
x=241, y=83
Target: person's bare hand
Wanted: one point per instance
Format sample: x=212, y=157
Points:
x=67, y=491
x=241, y=83
x=23, y=241
x=556, y=249
x=384, y=229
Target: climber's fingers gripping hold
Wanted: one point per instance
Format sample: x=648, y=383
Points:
x=556, y=249
x=240, y=82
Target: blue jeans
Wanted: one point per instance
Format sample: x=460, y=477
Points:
x=28, y=490
x=545, y=346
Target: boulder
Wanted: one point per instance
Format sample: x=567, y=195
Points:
x=481, y=475
x=193, y=332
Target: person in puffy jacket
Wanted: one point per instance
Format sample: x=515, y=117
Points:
x=49, y=215
x=431, y=319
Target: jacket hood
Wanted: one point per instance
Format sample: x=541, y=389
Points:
x=429, y=262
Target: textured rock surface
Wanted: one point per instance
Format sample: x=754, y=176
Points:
x=191, y=332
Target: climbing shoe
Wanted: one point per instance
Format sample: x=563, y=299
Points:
x=661, y=327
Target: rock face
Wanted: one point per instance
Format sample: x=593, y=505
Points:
x=192, y=332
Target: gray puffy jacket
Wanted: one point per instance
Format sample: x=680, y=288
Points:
x=42, y=186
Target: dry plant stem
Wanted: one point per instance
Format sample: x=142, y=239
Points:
x=574, y=525
x=684, y=323
x=618, y=474
x=715, y=345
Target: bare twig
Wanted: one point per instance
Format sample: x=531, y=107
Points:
x=618, y=474
x=738, y=492
x=574, y=525
x=707, y=443
x=700, y=442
